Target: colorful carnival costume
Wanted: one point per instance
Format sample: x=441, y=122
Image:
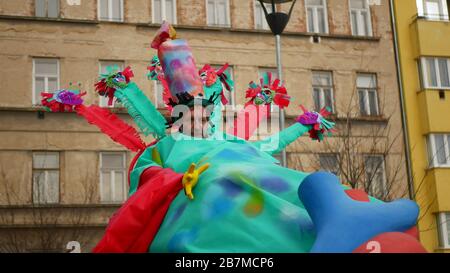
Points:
x=223, y=193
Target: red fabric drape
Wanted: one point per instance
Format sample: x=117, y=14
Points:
x=135, y=224
x=135, y=159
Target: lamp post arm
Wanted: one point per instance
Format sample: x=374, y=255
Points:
x=292, y=8
x=264, y=7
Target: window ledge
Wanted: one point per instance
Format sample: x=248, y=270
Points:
x=433, y=89
x=52, y=225
x=334, y=36
x=48, y=19
x=428, y=18
x=337, y=118
x=440, y=249
x=218, y=26
x=110, y=21
x=38, y=108
x=379, y=118
x=438, y=168
x=61, y=206
x=165, y=113
x=268, y=32
x=191, y=27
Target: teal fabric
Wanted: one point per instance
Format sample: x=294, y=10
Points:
x=142, y=110
x=245, y=202
x=278, y=142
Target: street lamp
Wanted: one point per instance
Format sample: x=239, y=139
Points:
x=277, y=22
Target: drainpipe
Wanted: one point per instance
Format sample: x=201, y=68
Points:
x=402, y=103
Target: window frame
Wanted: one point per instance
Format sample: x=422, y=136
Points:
x=432, y=151
x=278, y=157
x=442, y=229
x=46, y=10
x=443, y=12
x=367, y=90
x=424, y=72
x=110, y=19
x=46, y=77
x=322, y=92
x=384, y=175
x=258, y=8
x=102, y=100
x=228, y=15
x=112, y=180
x=163, y=8
x=336, y=156
x=316, y=18
x=45, y=170
x=359, y=12
x=158, y=104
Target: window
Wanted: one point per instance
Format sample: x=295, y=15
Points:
x=443, y=220
x=439, y=150
x=317, y=16
x=279, y=158
x=368, y=97
x=218, y=13
x=231, y=96
x=360, y=18
x=375, y=176
x=103, y=101
x=113, y=177
x=159, y=95
x=47, y=8
x=110, y=10
x=435, y=72
x=45, y=177
x=45, y=77
x=433, y=9
x=260, y=16
x=323, y=90
x=164, y=10
x=261, y=72
x=329, y=163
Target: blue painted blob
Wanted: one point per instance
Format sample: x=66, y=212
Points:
x=274, y=184
x=334, y=212
x=178, y=213
x=230, y=188
x=181, y=239
x=250, y=150
x=231, y=155
x=218, y=208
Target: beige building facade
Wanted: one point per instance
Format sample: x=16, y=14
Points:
x=61, y=179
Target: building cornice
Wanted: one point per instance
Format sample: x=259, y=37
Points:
x=165, y=113
x=193, y=28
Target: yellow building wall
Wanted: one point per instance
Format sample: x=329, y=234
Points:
x=426, y=113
